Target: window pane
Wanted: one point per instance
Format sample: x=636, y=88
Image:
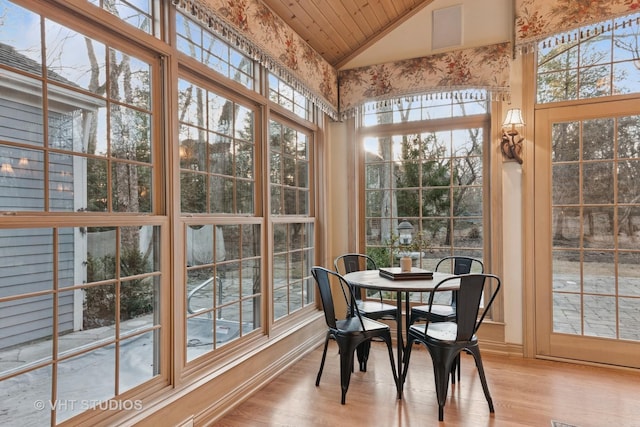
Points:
x=139, y=361
x=61, y=185
x=595, y=81
x=629, y=224
x=197, y=42
x=467, y=201
x=622, y=83
x=596, y=50
x=567, y=179
x=566, y=227
x=71, y=61
x=223, y=279
x=130, y=134
x=22, y=120
x=21, y=179
x=598, y=228
x=138, y=13
x=87, y=377
x=132, y=190
x=98, y=189
x=27, y=332
x=293, y=256
x=557, y=86
x=16, y=21
x=20, y=407
x=568, y=137
x=217, y=141
x=628, y=135
x=290, y=175
x=81, y=129
x=598, y=182
x=289, y=98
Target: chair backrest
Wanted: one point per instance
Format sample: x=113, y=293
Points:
x=324, y=278
x=470, y=296
x=461, y=264
x=348, y=263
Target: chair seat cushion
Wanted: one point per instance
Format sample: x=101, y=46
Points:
x=369, y=306
x=353, y=325
x=440, y=310
x=442, y=332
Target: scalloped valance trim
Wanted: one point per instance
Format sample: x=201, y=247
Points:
x=252, y=48
x=477, y=94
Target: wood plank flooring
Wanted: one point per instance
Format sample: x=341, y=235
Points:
x=525, y=392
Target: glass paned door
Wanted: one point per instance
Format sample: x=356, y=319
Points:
x=588, y=249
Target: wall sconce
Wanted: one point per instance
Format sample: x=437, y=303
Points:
x=511, y=140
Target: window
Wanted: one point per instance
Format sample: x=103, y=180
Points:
x=286, y=96
x=142, y=14
x=223, y=261
x=432, y=178
x=290, y=181
x=599, y=63
x=217, y=152
x=82, y=287
x=195, y=41
x=224, y=293
x=293, y=229
x=108, y=193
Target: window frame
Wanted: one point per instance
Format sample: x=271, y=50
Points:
x=492, y=172
x=297, y=124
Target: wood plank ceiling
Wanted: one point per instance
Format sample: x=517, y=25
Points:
x=341, y=29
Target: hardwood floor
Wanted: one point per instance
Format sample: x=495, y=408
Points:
x=525, y=392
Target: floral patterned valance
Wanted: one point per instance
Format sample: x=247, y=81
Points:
x=254, y=29
x=537, y=20
x=478, y=68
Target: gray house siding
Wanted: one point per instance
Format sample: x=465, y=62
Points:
x=26, y=265
x=21, y=189
x=26, y=256
x=20, y=123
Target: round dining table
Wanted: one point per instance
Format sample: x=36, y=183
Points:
x=371, y=279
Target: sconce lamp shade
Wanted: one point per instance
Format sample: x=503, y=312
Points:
x=514, y=118
x=511, y=144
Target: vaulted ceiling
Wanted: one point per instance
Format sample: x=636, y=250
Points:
x=341, y=29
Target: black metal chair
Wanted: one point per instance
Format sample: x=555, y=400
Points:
x=349, y=333
x=373, y=309
x=447, y=312
x=445, y=340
